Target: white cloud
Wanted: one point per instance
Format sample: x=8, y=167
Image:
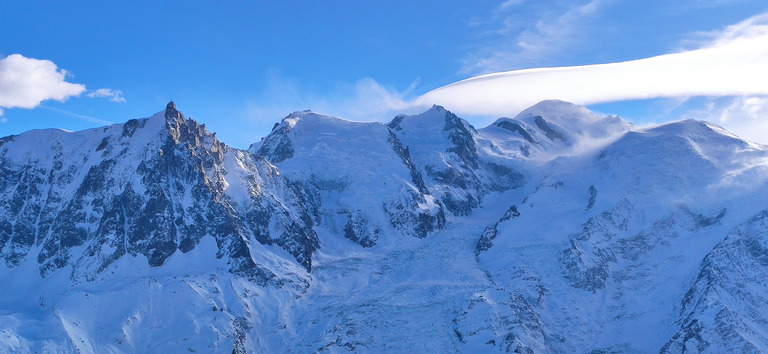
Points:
x=113, y=95
x=25, y=82
x=732, y=63
x=518, y=42
x=3, y=119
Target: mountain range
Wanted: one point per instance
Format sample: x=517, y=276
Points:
x=558, y=230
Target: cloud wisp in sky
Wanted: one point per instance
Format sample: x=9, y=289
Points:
x=112, y=95
x=732, y=64
x=365, y=100
x=516, y=42
x=82, y=117
x=25, y=82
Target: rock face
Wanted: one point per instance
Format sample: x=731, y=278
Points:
x=554, y=231
x=725, y=308
x=457, y=171
x=149, y=187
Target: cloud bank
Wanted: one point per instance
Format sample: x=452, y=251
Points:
x=732, y=63
x=25, y=82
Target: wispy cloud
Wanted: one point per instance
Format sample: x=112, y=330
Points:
x=517, y=42
x=25, y=82
x=731, y=63
x=78, y=116
x=112, y=95
x=509, y=4
x=364, y=100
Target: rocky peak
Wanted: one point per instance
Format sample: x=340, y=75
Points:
x=189, y=131
x=434, y=119
x=565, y=121
x=171, y=113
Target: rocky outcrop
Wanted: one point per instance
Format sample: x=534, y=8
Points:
x=725, y=308
x=489, y=234
x=445, y=148
x=150, y=187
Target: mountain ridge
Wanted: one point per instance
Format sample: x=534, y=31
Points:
x=553, y=231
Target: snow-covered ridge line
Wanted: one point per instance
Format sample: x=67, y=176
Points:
x=557, y=230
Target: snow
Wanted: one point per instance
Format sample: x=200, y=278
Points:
x=563, y=276
x=354, y=168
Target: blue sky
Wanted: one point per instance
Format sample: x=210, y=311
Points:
x=240, y=66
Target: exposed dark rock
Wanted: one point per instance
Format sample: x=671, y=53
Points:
x=592, y=197
x=405, y=155
x=130, y=127
x=462, y=139
x=486, y=239
x=511, y=213
x=586, y=263
x=517, y=128
x=103, y=145
x=406, y=216
x=513, y=320
x=489, y=234
x=550, y=132
x=704, y=221
x=725, y=306
x=461, y=178
x=525, y=150
x=278, y=150
x=360, y=231
x=395, y=123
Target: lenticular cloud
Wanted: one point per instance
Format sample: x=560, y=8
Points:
x=25, y=82
x=733, y=64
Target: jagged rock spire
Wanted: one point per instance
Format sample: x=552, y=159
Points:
x=171, y=113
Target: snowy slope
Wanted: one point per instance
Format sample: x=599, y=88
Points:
x=612, y=242
x=558, y=230
x=366, y=185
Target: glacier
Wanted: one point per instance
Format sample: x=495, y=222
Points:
x=557, y=230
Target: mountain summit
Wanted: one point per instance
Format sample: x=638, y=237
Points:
x=558, y=230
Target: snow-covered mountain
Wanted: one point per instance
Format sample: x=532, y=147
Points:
x=366, y=185
x=558, y=230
